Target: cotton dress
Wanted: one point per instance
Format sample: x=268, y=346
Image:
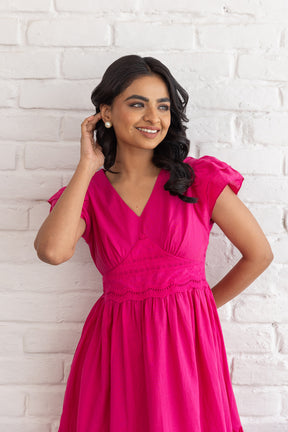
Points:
x=151, y=357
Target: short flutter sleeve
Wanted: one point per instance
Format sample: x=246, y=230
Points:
x=211, y=177
x=85, y=213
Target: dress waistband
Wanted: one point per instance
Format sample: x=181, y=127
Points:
x=152, y=279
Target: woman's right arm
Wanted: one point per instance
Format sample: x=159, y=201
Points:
x=57, y=237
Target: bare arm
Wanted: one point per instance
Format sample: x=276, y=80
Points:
x=57, y=237
x=242, y=229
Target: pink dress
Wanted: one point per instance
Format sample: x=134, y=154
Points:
x=151, y=357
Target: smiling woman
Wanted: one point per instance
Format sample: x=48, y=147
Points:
x=147, y=98
x=151, y=356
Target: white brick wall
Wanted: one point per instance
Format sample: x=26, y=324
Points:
x=232, y=57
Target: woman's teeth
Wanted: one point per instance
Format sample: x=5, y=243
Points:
x=148, y=130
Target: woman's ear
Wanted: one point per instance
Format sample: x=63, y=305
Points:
x=105, y=112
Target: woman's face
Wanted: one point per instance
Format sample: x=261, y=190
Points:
x=141, y=114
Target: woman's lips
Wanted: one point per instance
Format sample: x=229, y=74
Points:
x=151, y=135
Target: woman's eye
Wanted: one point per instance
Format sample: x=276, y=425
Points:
x=137, y=104
x=164, y=107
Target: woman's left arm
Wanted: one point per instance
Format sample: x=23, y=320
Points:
x=242, y=229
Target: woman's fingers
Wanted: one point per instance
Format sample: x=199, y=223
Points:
x=88, y=125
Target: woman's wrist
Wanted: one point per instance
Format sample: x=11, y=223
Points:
x=87, y=166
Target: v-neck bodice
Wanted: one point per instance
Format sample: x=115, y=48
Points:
x=180, y=229
x=118, y=196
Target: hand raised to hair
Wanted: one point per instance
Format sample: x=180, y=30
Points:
x=91, y=151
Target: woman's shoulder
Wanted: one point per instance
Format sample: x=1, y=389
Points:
x=205, y=162
x=214, y=173
x=209, y=166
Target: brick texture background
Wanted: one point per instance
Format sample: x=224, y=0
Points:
x=232, y=57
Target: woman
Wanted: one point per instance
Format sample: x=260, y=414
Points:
x=151, y=356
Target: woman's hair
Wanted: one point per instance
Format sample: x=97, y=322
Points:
x=171, y=152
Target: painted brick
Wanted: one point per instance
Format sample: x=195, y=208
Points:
x=48, y=403
x=196, y=6
x=248, y=161
x=13, y=217
x=28, y=63
x=260, y=372
x=257, y=402
x=286, y=169
x=267, y=283
x=88, y=63
x=32, y=126
x=239, y=36
x=267, y=426
x=17, y=247
x=29, y=185
x=9, y=31
x=8, y=156
x=37, y=214
x=55, y=426
x=44, y=308
x=56, y=94
x=172, y=36
x=265, y=189
x=283, y=277
x=69, y=32
x=26, y=6
x=203, y=129
x=51, y=340
x=269, y=218
x=67, y=369
x=284, y=410
x=8, y=94
x=92, y=6
x=284, y=93
x=69, y=276
x=229, y=9
x=79, y=63
x=71, y=125
x=52, y=156
x=31, y=371
x=11, y=342
x=197, y=65
x=225, y=312
x=24, y=426
x=280, y=250
x=12, y=403
x=265, y=67
x=256, y=308
x=282, y=331
x=248, y=338
x=270, y=129
x=235, y=96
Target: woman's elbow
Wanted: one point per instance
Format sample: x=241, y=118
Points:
x=51, y=256
x=263, y=258
x=269, y=256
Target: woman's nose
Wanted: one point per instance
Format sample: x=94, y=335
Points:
x=151, y=115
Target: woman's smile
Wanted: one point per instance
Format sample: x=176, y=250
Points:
x=149, y=132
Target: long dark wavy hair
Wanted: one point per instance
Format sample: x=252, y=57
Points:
x=171, y=152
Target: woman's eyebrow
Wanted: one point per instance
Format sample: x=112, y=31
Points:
x=165, y=99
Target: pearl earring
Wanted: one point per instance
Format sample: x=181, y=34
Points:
x=108, y=124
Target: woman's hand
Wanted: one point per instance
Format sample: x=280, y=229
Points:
x=91, y=151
